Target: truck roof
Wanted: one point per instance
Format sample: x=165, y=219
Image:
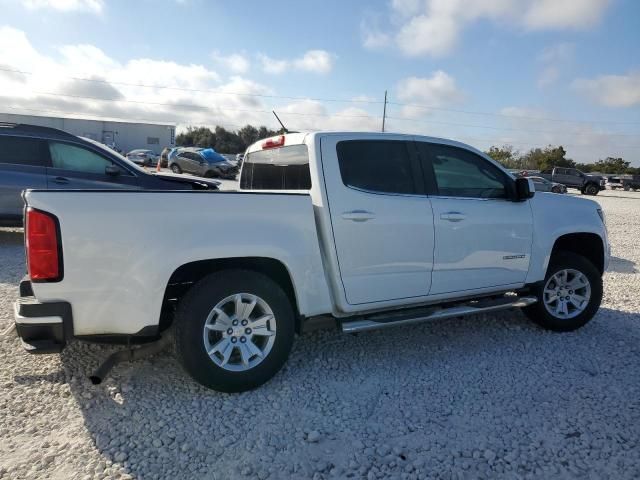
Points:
x=299, y=137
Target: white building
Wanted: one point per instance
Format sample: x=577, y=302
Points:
x=124, y=136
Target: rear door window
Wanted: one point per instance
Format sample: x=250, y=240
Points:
x=284, y=168
x=380, y=166
x=23, y=151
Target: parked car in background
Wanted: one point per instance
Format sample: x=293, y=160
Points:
x=613, y=183
x=360, y=230
x=204, y=162
x=631, y=183
x=574, y=178
x=146, y=158
x=33, y=157
x=544, y=185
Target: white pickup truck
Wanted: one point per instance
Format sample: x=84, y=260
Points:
x=362, y=230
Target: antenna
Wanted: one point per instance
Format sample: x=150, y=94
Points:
x=384, y=111
x=284, y=129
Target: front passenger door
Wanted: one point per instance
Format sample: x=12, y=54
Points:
x=482, y=237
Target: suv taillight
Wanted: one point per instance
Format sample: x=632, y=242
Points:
x=44, y=255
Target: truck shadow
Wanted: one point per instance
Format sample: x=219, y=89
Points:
x=11, y=236
x=398, y=386
x=621, y=265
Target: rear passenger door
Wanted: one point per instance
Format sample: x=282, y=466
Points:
x=75, y=166
x=382, y=220
x=22, y=165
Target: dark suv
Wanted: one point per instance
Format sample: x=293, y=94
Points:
x=46, y=158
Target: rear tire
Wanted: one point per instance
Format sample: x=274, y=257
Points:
x=546, y=313
x=208, y=343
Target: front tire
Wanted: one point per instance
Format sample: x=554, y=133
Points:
x=175, y=168
x=569, y=296
x=591, y=189
x=234, y=330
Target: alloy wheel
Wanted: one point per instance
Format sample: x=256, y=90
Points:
x=567, y=293
x=239, y=332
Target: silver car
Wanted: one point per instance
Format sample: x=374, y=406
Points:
x=544, y=185
x=146, y=158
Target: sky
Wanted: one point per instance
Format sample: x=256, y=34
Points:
x=527, y=73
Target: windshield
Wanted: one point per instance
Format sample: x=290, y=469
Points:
x=104, y=148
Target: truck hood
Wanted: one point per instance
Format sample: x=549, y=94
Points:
x=564, y=202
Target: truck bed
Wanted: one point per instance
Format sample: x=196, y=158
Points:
x=116, y=267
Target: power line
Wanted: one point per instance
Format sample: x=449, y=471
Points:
x=195, y=106
x=508, y=115
x=127, y=120
x=537, y=145
x=337, y=100
x=198, y=90
x=416, y=120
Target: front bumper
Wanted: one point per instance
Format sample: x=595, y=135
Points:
x=42, y=327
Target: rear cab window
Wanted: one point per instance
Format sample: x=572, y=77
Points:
x=280, y=168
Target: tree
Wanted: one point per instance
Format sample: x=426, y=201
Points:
x=196, y=137
x=612, y=165
x=248, y=134
x=505, y=155
x=222, y=140
x=549, y=157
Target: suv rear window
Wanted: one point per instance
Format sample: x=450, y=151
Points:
x=23, y=151
x=285, y=168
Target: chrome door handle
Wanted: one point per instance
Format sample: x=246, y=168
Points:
x=453, y=216
x=358, y=215
x=61, y=180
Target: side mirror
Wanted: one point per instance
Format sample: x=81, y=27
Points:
x=112, y=170
x=525, y=189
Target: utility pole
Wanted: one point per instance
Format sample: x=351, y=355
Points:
x=384, y=111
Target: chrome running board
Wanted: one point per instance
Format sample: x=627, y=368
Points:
x=392, y=319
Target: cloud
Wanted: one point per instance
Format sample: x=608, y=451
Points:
x=314, y=61
x=135, y=90
x=314, y=115
x=434, y=27
x=575, y=14
x=235, y=62
x=91, y=6
x=553, y=60
x=318, y=61
x=438, y=90
x=611, y=90
x=273, y=66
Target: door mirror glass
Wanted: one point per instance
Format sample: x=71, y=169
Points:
x=112, y=170
x=525, y=189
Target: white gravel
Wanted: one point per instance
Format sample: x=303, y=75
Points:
x=481, y=397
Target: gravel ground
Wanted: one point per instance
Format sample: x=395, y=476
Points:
x=481, y=397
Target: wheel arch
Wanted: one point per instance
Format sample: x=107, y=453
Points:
x=188, y=274
x=586, y=244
